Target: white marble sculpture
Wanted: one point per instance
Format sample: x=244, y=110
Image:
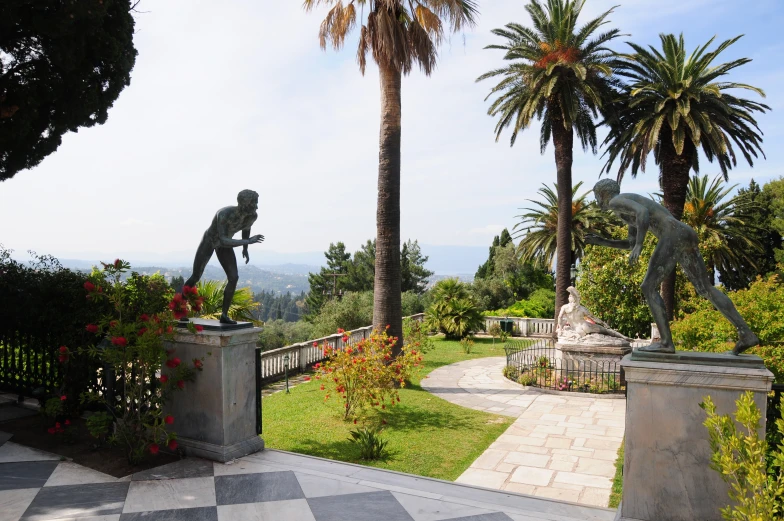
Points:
x=576, y=325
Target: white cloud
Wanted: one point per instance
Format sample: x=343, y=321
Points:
x=239, y=95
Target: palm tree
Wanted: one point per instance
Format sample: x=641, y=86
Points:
x=539, y=227
x=673, y=105
x=727, y=241
x=242, y=303
x=559, y=74
x=398, y=34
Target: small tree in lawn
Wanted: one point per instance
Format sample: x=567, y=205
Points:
x=364, y=374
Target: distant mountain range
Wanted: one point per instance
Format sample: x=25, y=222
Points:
x=282, y=272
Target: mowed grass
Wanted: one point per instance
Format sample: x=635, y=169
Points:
x=427, y=436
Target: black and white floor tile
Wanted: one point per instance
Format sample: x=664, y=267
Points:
x=270, y=486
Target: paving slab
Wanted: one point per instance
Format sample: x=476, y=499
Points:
x=560, y=446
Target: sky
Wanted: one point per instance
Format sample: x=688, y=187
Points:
x=237, y=94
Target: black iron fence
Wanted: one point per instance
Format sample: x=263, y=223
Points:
x=540, y=364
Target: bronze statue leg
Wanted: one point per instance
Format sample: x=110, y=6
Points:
x=694, y=268
x=662, y=263
x=203, y=255
x=228, y=262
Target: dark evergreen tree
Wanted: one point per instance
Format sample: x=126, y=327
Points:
x=322, y=284
x=177, y=283
x=487, y=269
x=414, y=275
x=362, y=270
x=62, y=66
x=759, y=225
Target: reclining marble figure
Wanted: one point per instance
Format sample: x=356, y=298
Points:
x=581, y=322
x=678, y=243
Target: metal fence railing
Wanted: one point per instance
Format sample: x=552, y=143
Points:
x=540, y=364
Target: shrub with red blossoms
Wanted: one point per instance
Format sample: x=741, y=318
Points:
x=365, y=375
x=144, y=313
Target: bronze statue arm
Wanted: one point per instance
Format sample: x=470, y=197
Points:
x=245, y=237
x=622, y=205
x=621, y=244
x=228, y=242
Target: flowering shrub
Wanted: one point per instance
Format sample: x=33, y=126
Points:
x=365, y=374
x=415, y=335
x=140, y=373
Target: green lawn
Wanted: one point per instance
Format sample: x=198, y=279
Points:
x=427, y=436
x=617, y=486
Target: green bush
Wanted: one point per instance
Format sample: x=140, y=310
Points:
x=412, y=303
x=756, y=483
x=527, y=380
x=278, y=333
x=467, y=344
x=371, y=444
x=352, y=311
x=541, y=304
x=453, y=311
x=415, y=335
x=511, y=372
x=761, y=305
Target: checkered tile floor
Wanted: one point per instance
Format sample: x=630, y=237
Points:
x=269, y=486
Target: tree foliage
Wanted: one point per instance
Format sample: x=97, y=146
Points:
x=62, y=66
x=539, y=226
x=242, y=306
x=453, y=310
x=756, y=482
x=485, y=271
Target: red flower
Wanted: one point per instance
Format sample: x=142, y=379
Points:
x=181, y=384
x=119, y=341
x=92, y=328
x=51, y=430
x=315, y=344
x=198, y=364
x=190, y=290
x=144, y=317
x=63, y=398
x=169, y=419
x=340, y=330
x=117, y=263
x=199, y=328
x=355, y=422
x=142, y=331
x=164, y=378
x=68, y=422
x=307, y=378
x=57, y=425
x=345, y=338
x=89, y=286
x=169, y=329
x=322, y=387
x=384, y=422
x=174, y=362
x=173, y=443
x=154, y=449
x=113, y=323
x=62, y=358
x=387, y=326
x=317, y=365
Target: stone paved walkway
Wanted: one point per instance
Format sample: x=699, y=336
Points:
x=561, y=446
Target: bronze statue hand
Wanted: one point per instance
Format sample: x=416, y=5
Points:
x=245, y=254
x=256, y=239
x=635, y=254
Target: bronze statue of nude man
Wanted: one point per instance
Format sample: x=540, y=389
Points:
x=218, y=238
x=677, y=243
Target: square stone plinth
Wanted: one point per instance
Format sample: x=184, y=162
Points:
x=215, y=416
x=666, y=471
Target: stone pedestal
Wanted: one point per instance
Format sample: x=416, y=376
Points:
x=215, y=416
x=666, y=471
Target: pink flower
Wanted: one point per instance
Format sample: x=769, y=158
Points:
x=63, y=398
x=154, y=449
x=51, y=430
x=164, y=378
x=169, y=419
x=119, y=341
x=92, y=328
x=174, y=362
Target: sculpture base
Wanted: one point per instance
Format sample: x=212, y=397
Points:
x=699, y=358
x=667, y=457
x=215, y=415
x=213, y=325
x=580, y=352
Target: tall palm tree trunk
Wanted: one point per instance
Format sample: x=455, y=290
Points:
x=674, y=184
x=387, y=308
x=563, y=139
